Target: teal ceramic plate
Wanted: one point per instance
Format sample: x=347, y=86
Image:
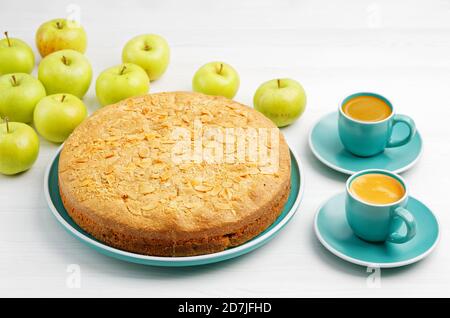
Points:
x=326, y=146
x=57, y=208
x=334, y=233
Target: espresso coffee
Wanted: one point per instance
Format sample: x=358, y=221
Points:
x=367, y=108
x=377, y=188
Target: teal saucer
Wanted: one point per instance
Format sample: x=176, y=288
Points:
x=51, y=190
x=326, y=146
x=333, y=232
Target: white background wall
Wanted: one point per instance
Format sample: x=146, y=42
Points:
x=398, y=48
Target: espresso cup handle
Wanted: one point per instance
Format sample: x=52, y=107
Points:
x=410, y=223
x=412, y=131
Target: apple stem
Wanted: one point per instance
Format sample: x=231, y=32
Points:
x=7, y=38
x=221, y=68
x=147, y=47
x=64, y=60
x=279, y=83
x=13, y=80
x=59, y=25
x=122, y=70
x=7, y=124
x=63, y=98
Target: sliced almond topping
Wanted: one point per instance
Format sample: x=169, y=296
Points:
x=113, y=138
x=150, y=206
x=110, y=179
x=143, y=164
x=215, y=191
x=133, y=207
x=242, y=112
x=147, y=161
x=146, y=188
x=202, y=188
x=132, y=195
x=267, y=170
x=144, y=152
x=133, y=137
x=85, y=182
x=205, y=118
x=151, y=135
x=227, y=184
x=208, y=184
x=165, y=176
x=228, y=193
x=231, y=106
x=204, y=111
x=109, y=154
x=173, y=195
x=237, y=179
x=184, y=166
x=222, y=206
x=173, y=204
x=197, y=204
x=196, y=181
x=161, y=112
x=109, y=169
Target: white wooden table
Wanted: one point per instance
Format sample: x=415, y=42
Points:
x=400, y=49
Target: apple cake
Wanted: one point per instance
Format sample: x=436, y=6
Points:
x=175, y=174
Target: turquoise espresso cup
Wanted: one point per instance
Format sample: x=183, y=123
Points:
x=379, y=222
x=364, y=138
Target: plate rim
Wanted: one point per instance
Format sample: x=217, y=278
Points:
x=370, y=264
x=350, y=172
x=176, y=260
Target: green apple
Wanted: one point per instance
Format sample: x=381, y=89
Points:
x=60, y=34
x=15, y=56
x=216, y=78
x=149, y=51
x=19, y=94
x=19, y=147
x=119, y=82
x=65, y=71
x=56, y=116
x=281, y=100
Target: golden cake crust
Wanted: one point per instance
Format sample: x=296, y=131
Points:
x=119, y=180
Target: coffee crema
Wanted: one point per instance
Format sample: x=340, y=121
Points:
x=367, y=108
x=377, y=188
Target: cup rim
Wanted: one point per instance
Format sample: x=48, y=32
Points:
x=366, y=94
x=382, y=171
